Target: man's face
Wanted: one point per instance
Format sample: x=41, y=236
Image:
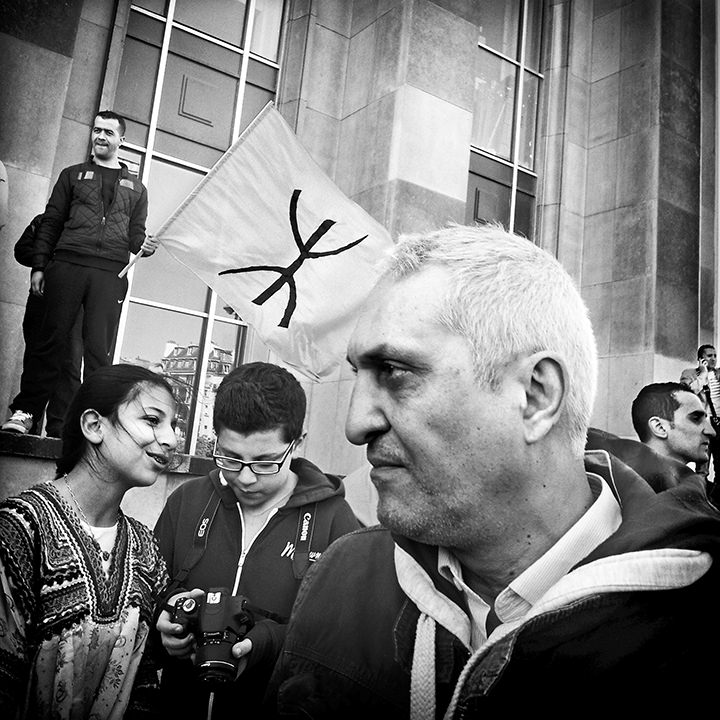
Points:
x=440, y=445
x=106, y=138
x=688, y=436
x=255, y=490
x=710, y=357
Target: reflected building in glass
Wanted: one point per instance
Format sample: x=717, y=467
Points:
x=588, y=127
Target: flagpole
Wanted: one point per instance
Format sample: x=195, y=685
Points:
x=124, y=271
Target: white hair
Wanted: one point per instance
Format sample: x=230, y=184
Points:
x=509, y=298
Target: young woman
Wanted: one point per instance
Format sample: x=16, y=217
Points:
x=78, y=578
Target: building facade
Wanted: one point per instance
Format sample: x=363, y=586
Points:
x=588, y=126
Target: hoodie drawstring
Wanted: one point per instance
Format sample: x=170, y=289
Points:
x=422, y=679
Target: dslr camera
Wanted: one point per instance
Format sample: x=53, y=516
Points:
x=218, y=621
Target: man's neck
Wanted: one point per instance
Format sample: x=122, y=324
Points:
x=113, y=162
x=489, y=572
x=661, y=448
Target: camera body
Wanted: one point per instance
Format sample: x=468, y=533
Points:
x=218, y=621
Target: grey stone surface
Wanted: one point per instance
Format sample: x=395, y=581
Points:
x=418, y=209
x=375, y=62
x=603, y=115
x=36, y=80
x=635, y=231
x=680, y=101
x=638, y=106
x=602, y=177
x=679, y=171
x=439, y=67
x=605, y=45
x=326, y=62
x=676, y=318
x=678, y=245
x=680, y=32
x=364, y=149
x=45, y=23
x=637, y=167
x=640, y=32
x=630, y=326
x=598, y=248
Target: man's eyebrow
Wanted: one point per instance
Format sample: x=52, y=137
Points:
x=385, y=351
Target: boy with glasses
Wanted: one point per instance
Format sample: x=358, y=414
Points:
x=252, y=526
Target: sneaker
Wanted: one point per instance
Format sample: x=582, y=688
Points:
x=19, y=422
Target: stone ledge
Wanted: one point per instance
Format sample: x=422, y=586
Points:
x=45, y=448
x=33, y=446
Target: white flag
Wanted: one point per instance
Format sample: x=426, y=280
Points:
x=278, y=241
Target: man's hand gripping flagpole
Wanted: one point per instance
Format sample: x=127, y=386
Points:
x=149, y=246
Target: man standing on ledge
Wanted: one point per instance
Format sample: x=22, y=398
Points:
x=94, y=219
x=513, y=572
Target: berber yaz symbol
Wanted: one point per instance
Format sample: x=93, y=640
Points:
x=287, y=273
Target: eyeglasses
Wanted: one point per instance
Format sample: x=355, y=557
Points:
x=258, y=467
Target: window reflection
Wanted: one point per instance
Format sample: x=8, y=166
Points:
x=156, y=6
x=499, y=26
x=223, y=19
x=505, y=114
x=167, y=342
x=528, y=122
x=198, y=104
x=138, y=75
x=533, y=35
x=493, y=108
x=266, y=31
x=226, y=350
x=161, y=278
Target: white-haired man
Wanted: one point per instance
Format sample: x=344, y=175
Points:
x=514, y=572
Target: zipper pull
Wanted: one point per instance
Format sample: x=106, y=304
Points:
x=102, y=222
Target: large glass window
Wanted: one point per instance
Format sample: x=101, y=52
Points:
x=188, y=87
x=502, y=180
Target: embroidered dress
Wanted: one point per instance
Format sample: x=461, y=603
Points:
x=71, y=637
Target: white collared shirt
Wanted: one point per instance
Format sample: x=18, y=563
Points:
x=600, y=521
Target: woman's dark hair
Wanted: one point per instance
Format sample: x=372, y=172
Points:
x=104, y=390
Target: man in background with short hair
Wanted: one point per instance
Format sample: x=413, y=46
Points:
x=674, y=422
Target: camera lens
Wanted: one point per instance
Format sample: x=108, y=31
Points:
x=217, y=672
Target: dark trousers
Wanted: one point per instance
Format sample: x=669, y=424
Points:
x=69, y=374
x=68, y=290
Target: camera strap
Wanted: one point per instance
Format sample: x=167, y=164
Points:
x=200, y=538
x=303, y=539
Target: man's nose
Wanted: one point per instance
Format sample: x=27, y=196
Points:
x=246, y=476
x=709, y=429
x=365, y=419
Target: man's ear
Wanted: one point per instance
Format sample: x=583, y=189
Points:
x=657, y=427
x=92, y=426
x=298, y=443
x=545, y=381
